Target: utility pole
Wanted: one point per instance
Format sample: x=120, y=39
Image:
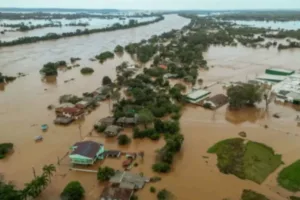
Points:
x=79, y=127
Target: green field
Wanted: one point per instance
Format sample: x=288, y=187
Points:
x=246, y=160
x=251, y=195
x=289, y=177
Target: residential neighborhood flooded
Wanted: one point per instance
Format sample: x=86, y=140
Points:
x=23, y=108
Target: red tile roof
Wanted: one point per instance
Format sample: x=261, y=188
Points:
x=163, y=66
x=72, y=111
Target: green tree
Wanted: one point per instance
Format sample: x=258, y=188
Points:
x=87, y=70
x=73, y=191
x=123, y=139
x=9, y=192
x=244, y=94
x=119, y=49
x=106, y=80
x=161, y=167
x=163, y=195
x=48, y=170
x=105, y=173
x=145, y=116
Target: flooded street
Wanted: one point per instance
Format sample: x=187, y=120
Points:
x=23, y=108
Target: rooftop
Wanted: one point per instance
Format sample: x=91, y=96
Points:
x=197, y=94
x=112, y=129
x=282, y=70
x=219, y=99
x=116, y=193
x=86, y=148
x=128, y=180
x=269, y=77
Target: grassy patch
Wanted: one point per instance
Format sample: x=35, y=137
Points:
x=259, y=161
x=251, y=195
x=251, y=160
x=289, y=177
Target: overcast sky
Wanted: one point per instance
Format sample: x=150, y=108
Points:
x=155, y=4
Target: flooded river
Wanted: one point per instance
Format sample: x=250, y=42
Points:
x=23, y=107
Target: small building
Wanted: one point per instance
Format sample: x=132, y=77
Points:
x=63, y=120
x=128, y=180
x=86, y=152
x=116, y=193
x=271, y=78
x=216, y=101
x=112, y=154
x=62, y=106
x=293, y=97
x=74, y=113
x=107, y=121
x=127, y=121
x=112, y=130
x=279, y=71
x=197, y=96
x=82, y=104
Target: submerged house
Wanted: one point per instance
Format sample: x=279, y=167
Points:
x=116, y=193
x=86, y=152
x=216, y=101
x=128, y=121
x=112, y=130
x=128, y=180
x=73, y=113
x=197, y=96
x=107, y=121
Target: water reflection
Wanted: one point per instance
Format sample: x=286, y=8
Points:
x=247, y=114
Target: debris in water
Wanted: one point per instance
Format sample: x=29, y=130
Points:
x=243, y=134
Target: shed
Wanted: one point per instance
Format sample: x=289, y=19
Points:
x=106, y=121
x=63, y=120
x=197, y=95
x=279, y=71
x=112, y=130
x=86, y=152
x=217, y=101
x=127, y=121
x=128, y=180
x=271, y=78
x=112, y=153
x=116, y=193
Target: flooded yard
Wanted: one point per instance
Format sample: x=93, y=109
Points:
x=23, y=107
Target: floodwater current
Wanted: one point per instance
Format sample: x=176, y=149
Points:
x=23, y=108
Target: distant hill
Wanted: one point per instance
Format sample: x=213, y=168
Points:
x=58, y=10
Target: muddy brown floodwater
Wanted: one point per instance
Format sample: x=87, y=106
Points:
x=23, y=108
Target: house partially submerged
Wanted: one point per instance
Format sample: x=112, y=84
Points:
x=216, y=101
x=86, y=152
x=128, y=180
x=116, y=193
x=73, y=113
x=197, y=96
x=128, y=121
x=112, y=154
x=107, y=121
x=279, y=71
x=63, y=120
x=112, y=130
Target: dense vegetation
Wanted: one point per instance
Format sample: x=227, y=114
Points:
x=31, y=190
x=50, y=69
x=253, y=161
x=87, y=70
x=123, y=140
x=78, y=32
x=5, y=148
x=105, y=173
x=104, y=56
x=73, y=191
x=6, y=78
x=289, y=177
x=244, y=94
x=252, y=195
x=119, y=49
x=106, y=80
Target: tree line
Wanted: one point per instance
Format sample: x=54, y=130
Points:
x=78, y=32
